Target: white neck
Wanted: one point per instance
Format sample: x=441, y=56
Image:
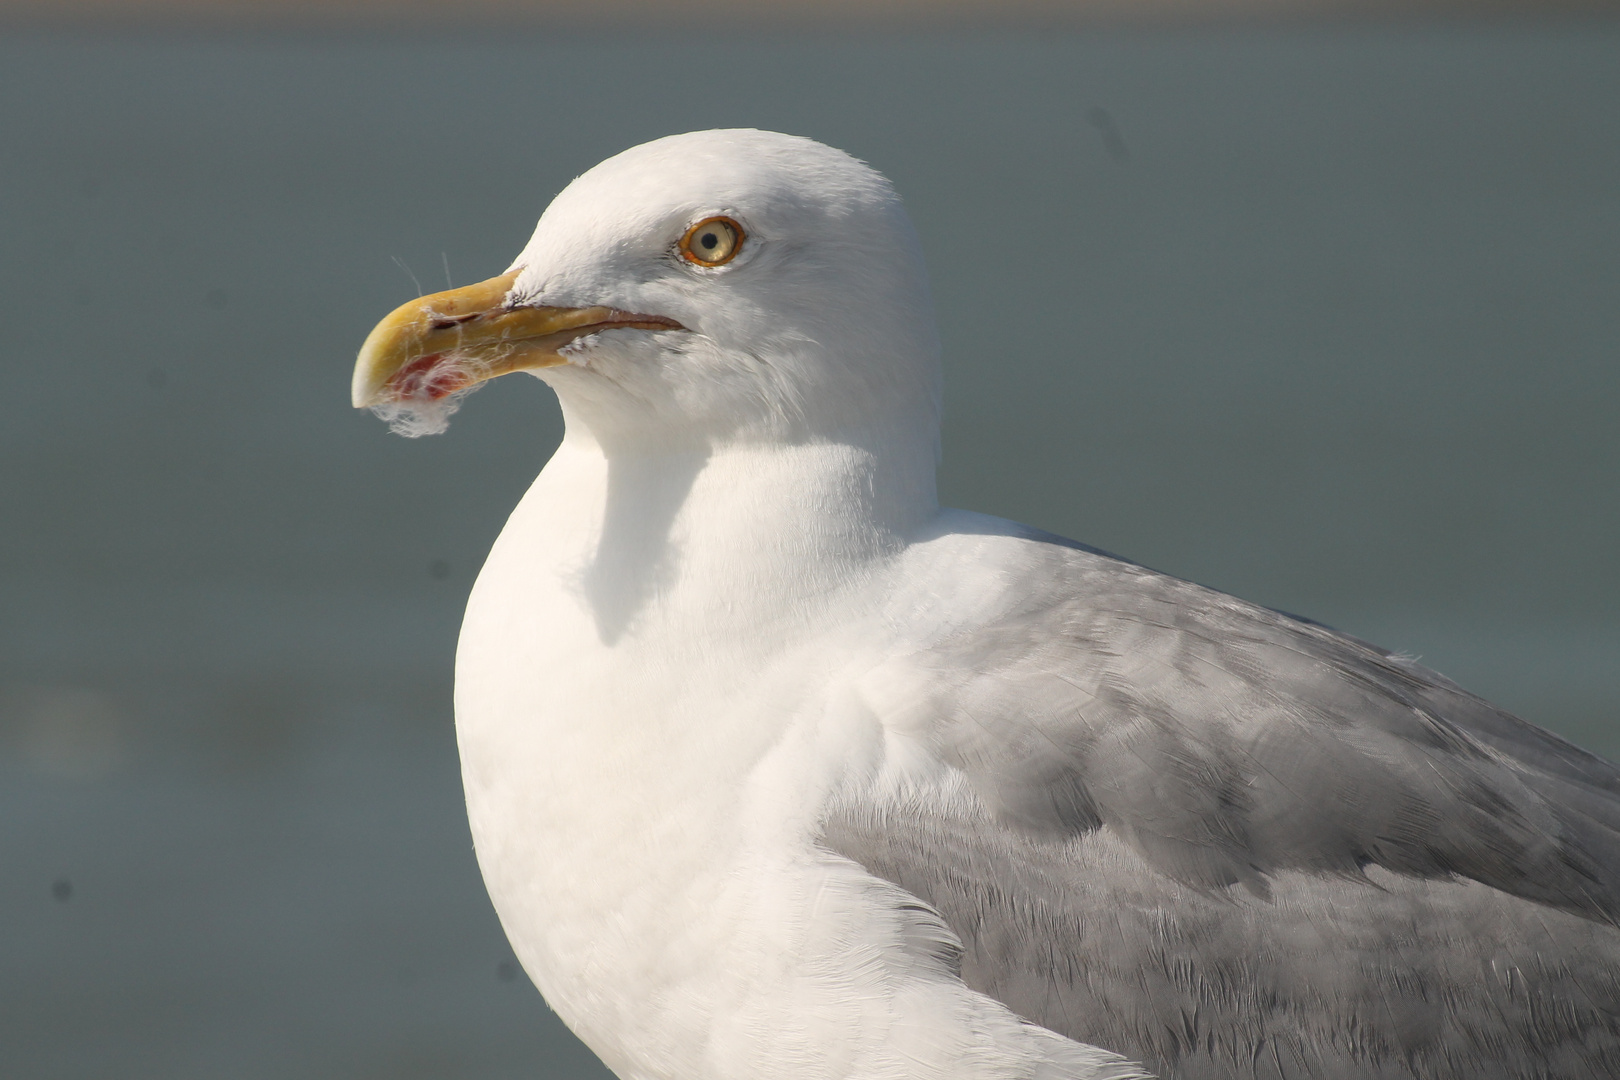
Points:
x=650, y=531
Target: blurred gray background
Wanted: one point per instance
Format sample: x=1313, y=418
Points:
x=1325, y=315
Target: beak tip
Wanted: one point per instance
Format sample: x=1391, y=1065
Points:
x=378, y=360
x=362, y=391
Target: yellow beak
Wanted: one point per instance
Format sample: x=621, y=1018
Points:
x=438, y=344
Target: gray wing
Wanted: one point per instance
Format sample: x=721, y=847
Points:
x=1229, y=842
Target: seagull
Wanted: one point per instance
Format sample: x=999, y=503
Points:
x=777, y=770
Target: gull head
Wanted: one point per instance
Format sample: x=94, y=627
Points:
x=717, y=286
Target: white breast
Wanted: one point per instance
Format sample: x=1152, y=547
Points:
x=646, y=755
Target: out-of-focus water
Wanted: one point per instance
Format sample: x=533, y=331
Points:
x=1328, y=319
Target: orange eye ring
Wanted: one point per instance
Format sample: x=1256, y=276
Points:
x=712, y=242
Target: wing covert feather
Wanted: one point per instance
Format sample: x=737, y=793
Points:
x=1226, y=742
x=1231, y=843
x=1385, y=977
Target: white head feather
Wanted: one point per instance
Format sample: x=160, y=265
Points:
x=820, y=328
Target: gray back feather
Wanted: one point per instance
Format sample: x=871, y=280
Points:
x=1230, y=842
x=1225, y=742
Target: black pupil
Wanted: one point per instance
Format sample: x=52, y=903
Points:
x=709, y=240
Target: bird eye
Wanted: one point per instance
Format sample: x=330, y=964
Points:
x=712, y=242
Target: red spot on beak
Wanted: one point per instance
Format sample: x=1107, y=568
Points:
x=431, y=377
